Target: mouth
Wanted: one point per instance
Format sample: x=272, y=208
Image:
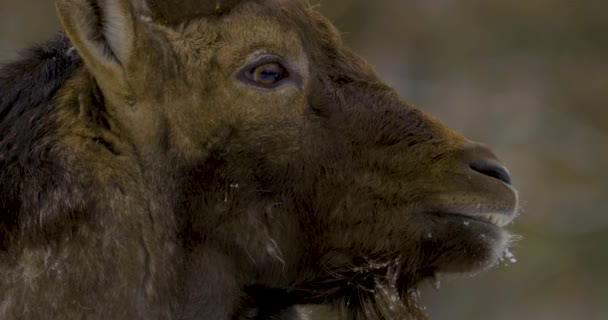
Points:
x=497, y=209
x=495, y=218
x=490, y=215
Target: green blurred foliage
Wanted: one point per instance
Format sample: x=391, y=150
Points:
x=530, y=78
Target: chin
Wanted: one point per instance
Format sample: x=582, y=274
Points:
x=470, y=245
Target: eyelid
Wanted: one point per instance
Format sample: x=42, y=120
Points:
x=266, y=58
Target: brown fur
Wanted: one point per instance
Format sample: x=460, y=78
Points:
x=143, y=179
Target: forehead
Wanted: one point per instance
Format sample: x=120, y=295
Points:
x=253, y=27
x=257, y=25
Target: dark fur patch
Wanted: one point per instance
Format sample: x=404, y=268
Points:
x=168, y=12
x=27, y=88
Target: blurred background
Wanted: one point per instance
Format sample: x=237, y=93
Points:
x=530, y=78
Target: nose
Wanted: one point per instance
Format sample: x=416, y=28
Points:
x=481, y=159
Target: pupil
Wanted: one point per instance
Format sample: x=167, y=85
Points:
x=269, y=75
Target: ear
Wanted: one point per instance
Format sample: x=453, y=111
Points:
x=104, y=33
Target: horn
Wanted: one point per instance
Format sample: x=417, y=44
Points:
x=171, y=12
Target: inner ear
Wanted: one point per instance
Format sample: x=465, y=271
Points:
x=103, y=32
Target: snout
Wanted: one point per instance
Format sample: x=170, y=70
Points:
x=476, y=185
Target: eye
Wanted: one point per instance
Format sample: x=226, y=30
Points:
x=267, y=74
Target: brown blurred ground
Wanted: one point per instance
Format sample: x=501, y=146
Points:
x=529, y=77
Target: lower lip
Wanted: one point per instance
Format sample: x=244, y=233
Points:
x=475, y=218
x=491, y=220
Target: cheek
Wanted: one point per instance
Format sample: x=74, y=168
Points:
x=272, y=125
x=270, y=106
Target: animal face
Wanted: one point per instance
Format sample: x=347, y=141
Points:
x=279, y=152
x=298, y=122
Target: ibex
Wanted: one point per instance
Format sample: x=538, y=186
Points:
x=204, y=159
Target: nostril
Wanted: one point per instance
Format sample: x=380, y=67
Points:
x=492, y=169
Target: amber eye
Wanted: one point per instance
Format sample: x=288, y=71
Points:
x=267, y=74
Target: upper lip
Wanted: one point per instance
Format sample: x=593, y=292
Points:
x=475, y=197
x=497, y=212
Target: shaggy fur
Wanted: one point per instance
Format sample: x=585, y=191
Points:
x=143, y=178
